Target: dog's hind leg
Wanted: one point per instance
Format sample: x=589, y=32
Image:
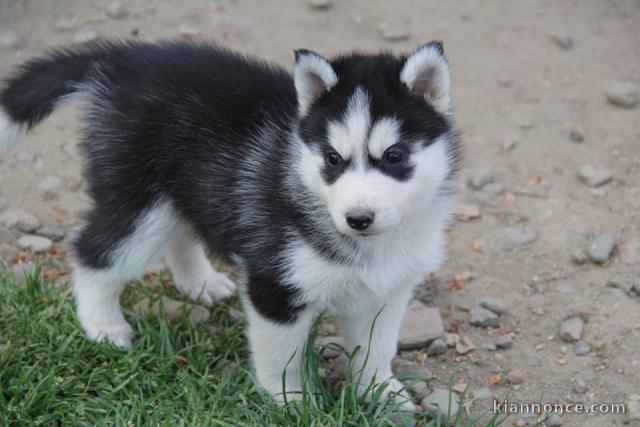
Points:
x=111, y=250
x=192, y=271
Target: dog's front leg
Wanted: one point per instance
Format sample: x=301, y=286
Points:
x=377, y=346
x=277, y=348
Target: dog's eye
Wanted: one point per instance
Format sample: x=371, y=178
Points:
x=393, y=156
x=332, y=158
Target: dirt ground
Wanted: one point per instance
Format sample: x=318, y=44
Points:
x=518, y=96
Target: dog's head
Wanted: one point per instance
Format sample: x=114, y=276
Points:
x=377, y=132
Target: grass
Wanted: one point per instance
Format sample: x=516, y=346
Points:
x=178, y=372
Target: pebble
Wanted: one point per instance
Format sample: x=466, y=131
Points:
x=519, y=236
x=172, y=309
x=602, y=247
x=494, y=188
x=633, y=407
x=623, y=94
x=437, y=347
x=629, y=252
x=116, y=10
x=234, y=314
x=580, y=386
x=582, y=348
x=503, y=341
x=576, y=136
x=401, y=366
x=467, y=212
x=36, y=244
x=515, y=376
x=442, y=401
x=571, y=329
x=20, y=219
x=577, y=242
x=22, y=269
x=482, y=317
x=395, y=34
x=563, y=40
x=482, y=394
x=320, y=4
x=480, y=177
x=554, y=420
x=84, y=35
x=402, y=419
x=54, y=232
x=330, y=346
x=420, y=326
x=497, y=305
x=9, y=40
x=188, y=31
x=594, y=175
x=64, y=25
x=50, y=187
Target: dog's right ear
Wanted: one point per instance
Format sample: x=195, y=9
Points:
x=312, y=77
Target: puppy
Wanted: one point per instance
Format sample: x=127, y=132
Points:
x=328, y=189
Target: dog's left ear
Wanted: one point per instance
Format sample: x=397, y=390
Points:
x=312, y=76
x=426, y=73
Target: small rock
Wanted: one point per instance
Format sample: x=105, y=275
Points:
x=36, y=244
x=50, y=187
x=602, y=246
x=580, y=386
x=515, y=376
x=494, y=188
x=451, y=339
x=402, y=419
x=503, y=341
x=172, y=309
x=320, y=4
x=234, y=314
x=85, y=35
x=497, y=305
x=64, y=25
x=554, y=420
x=582, y=348
x=623, y=94
x=23, y=269
x=576, y=136
x=571, y=329
x=480, y=177
x=9, y=40
x=116, y=10
x=420, y=326
x=633, y=407
x=17, y=218
x=563, y=40
x=444, y=402
x=482, y=394
x=408, y=368
x=467, y=212
x=629, y=252
x=188, y=31
x=53, y=232
x=482, y=317
x=594, y=176
x=330, y=346
x=577, y=242
x=437, y=347
x=519, y=236
x=395, y=34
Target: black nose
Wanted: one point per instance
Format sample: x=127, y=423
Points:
x=359, y=220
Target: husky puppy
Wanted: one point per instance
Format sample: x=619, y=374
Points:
x=328, y=188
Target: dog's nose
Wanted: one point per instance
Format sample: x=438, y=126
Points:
x=359, y=219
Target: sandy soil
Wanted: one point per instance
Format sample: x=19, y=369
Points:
x=518, y=95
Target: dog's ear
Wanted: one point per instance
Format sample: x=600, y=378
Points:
x=312, y=76
x=426, y=73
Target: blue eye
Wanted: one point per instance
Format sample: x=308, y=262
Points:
x=393, y=156
x=332, y=158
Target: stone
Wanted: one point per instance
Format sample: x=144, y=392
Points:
x=514, y=236
x=19, y=219
x=23, y=269
x=172, y=309
x=563, y=40
x=330, y=346
x=320, y=4
x=35, y=244
x=576, y=136
x=581, y=348
x=482, y=394
x=234, y=314
x=65, y=25
x=437, y=347
x=515, y=376
x=503, y=341
x=576, y=242
x=480, y=177
x=571, y=329
x=467, y=212
x=420, y=326
x=50, y=187
x=497, y=305
x=443, y=402
x=594, y=175
x=602, y=247
x=629, y=252
x=580, y=386
x=482, y=317
x=633, y=407
x=84, y=35
x=395, y=34
x=623, y=94
x=54, y=232
x=410, y=369
x=554, y=420
x=402, y=419
x=188, y=30
x=9, y=40
x=494, y=188
x=116, y=10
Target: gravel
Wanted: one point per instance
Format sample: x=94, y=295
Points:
x=503, y=341
x=576, y=136
x=84, y=35
x=515, y=376
x=437, y=347
x=577, y=242
x=9, y=40
x=54, y=232
x=580, y=386
x=623, y=94
x=513, y=236
x=22, y=269
x=420, y=326
x=395, y=34
x=172, y=309
x=497, y=305
x=594, y=175
x=480, y=177
x=582, y=348
x=116, y=10
x=50, y=187
x=482, y=317
x=633, y=407
x=401, y=366
x=442, y=401
x=563, y=40
x=554, y=420
x=20, y=219
x=320, y=4
x=36, y=244
x=571, y=329
x=602, y=247
x=482, y=394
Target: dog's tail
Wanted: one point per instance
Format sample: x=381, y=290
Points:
x=41, y=85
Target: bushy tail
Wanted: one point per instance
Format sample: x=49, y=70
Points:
x=42, y=84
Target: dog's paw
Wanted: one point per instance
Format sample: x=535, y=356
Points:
x=119, y=334
x=215, y=287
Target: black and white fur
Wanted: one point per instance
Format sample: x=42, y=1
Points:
x=328, y=189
